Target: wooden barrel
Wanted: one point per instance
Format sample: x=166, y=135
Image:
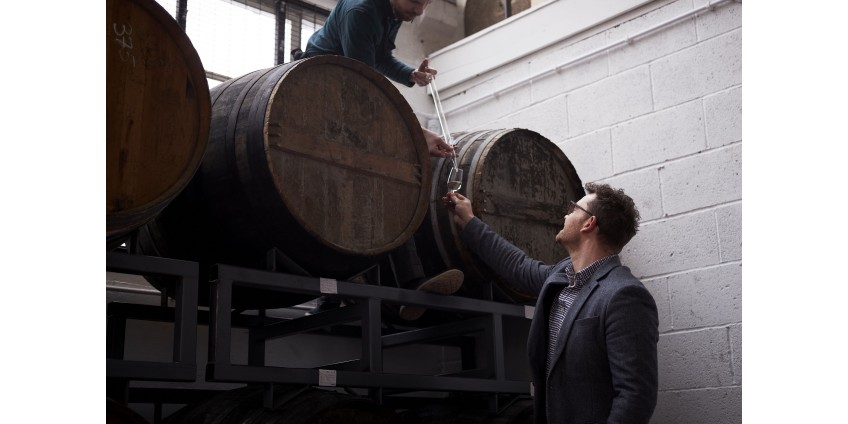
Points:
x=157, y=113
x=481, y=14
x=519, y=183
x=292, y=405
x=321, y=159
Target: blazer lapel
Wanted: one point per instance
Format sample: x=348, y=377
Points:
x=538, y=327
x=579, y=301
x=568, y=321
x=554, y=281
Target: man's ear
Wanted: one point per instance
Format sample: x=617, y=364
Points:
x=590, y=224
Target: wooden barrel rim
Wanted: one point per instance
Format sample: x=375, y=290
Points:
x=143, y=213
x=472, y=164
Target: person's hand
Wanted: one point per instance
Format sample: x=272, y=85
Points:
x=461, y=208
x=424, y=74
x=437, y=145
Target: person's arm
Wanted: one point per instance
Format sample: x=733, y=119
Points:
x=502, y=256
x=396, y=70
x=631, y=340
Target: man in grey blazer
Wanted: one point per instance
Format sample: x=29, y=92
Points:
x=593, y=340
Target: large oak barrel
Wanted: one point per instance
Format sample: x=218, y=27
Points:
x=481, y=14
x=519, y=183
x=321, y=160
x=157, y=114
x=292, y=405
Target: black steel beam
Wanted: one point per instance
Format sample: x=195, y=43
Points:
x=249, y=374
x=152, y=371
x=489, y=319
x=372, y=349
x=498, y=342
x=185, y=320
x=287, y=283
x=313, y=322
x=150, y=265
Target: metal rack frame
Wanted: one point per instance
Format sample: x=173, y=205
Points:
x=183, y=366
x=365, y=373
x=370, y=371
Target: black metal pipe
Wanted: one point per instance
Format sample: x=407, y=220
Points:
x=182, y=13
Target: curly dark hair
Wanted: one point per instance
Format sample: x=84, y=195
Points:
x=618, y=218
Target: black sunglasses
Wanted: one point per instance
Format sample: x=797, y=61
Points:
x=572, y=204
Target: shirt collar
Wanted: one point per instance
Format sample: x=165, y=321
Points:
x=582, y=277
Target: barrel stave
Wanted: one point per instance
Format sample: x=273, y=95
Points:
x=157, y=114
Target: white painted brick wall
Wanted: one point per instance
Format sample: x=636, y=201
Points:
x=644, y=187
x=708, y=67
x=487, y=112
x=723, y=19
x=723, y=116
x=658, y=137
x=711, y=178
x=673, y=245
x=705, y=406
x=659, y=290
x=736, y=352
x=695, y=359
x=615, y=99
x=729, y=221
x=574, y=76
x=591, y=154
x=653, y=45
x=706, y=297
x=546, y=118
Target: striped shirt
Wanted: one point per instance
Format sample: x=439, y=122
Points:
x=565, y=299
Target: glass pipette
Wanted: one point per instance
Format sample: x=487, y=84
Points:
x=442, y=121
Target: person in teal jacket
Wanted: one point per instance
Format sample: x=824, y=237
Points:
x=365, y=30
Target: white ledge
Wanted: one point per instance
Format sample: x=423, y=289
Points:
x=523, y=34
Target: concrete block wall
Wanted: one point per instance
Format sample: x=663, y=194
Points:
x=660, y=118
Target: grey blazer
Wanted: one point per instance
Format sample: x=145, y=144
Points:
x=605, y=366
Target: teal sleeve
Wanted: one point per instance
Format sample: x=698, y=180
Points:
x=359, y=40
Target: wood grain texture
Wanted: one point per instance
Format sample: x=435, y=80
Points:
x=518, y=183
x=321, y=159
x=157, y=112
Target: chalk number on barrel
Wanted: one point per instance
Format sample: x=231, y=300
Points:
x=124, y=38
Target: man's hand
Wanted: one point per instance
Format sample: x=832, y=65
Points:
x=424, y=74
x=461, y=208
x=437, y=145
